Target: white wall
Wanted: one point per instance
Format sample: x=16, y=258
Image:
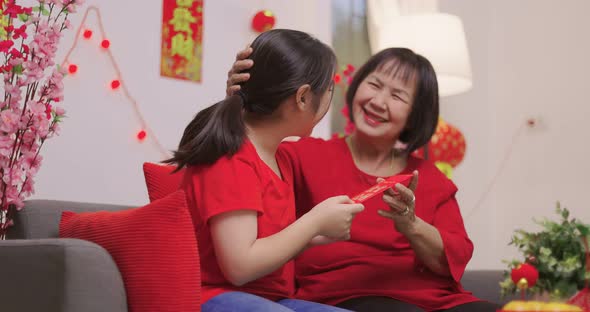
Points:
x=97, y=157
x=530, y=58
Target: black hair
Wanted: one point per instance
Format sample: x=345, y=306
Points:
x=284, y=60
x=405, y=64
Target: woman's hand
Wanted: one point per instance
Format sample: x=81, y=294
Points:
x=234, y=76
x=401, y=205
x=424, y=238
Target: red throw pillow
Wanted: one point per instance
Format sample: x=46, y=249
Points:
x=160, y=180
x=154, y=247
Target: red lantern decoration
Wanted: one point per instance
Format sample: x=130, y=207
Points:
x=525, y=272
x=446, y=145
x=263, y=20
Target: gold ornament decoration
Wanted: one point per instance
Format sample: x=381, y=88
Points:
x=522, y=284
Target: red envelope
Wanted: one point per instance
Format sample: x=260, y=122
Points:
x=381, y=187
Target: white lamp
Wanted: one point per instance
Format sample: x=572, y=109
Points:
x=437, y=36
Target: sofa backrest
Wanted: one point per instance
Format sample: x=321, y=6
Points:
x=40, y=218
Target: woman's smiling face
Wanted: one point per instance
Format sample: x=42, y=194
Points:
x=383, y=102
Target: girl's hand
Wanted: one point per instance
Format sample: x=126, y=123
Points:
x=334, y=216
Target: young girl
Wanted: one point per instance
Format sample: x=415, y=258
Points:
x=239, y=188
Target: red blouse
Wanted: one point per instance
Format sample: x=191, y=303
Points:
x=240, y=182
x=377, y=260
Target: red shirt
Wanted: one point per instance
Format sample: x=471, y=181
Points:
x=377, y=260
x=242, y=181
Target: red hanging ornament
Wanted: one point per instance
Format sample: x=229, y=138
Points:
x=337, y=78
x=446, y=145
x=263, y=20
x=527, y=272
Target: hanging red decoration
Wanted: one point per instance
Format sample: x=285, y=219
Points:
x=115, y=84
x=263, y=20
x=337, y=78
x=87, y=33
x=524, y=275
x=105, y=44
x=181, y=46
x=72, y=68
x=446, y=145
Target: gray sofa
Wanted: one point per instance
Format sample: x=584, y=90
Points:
x=39, y=272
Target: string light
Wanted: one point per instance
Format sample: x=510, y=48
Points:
x=116, y=83
x=105, y=44
x=72, y=68
x=141, y=135
x=87, y=34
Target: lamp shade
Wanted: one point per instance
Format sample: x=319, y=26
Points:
x=437, y=36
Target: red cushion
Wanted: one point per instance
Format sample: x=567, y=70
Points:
x=160, y=180
x=154, y=247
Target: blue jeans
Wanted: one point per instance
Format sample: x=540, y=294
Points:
x=241, y=301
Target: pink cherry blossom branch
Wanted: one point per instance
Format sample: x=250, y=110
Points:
x=29, y=120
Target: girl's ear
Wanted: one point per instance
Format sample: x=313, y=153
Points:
x=303, y=97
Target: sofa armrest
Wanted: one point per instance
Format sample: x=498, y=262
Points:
x=64, y=275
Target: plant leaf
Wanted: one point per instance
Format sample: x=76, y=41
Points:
x=18, y=69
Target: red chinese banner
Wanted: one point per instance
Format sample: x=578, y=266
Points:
x=182, y=36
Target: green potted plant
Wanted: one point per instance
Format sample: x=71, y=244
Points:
x=559, y=252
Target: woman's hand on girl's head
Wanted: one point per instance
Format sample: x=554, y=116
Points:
x=401, y=204
x=235, y=75
x=334, y=216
